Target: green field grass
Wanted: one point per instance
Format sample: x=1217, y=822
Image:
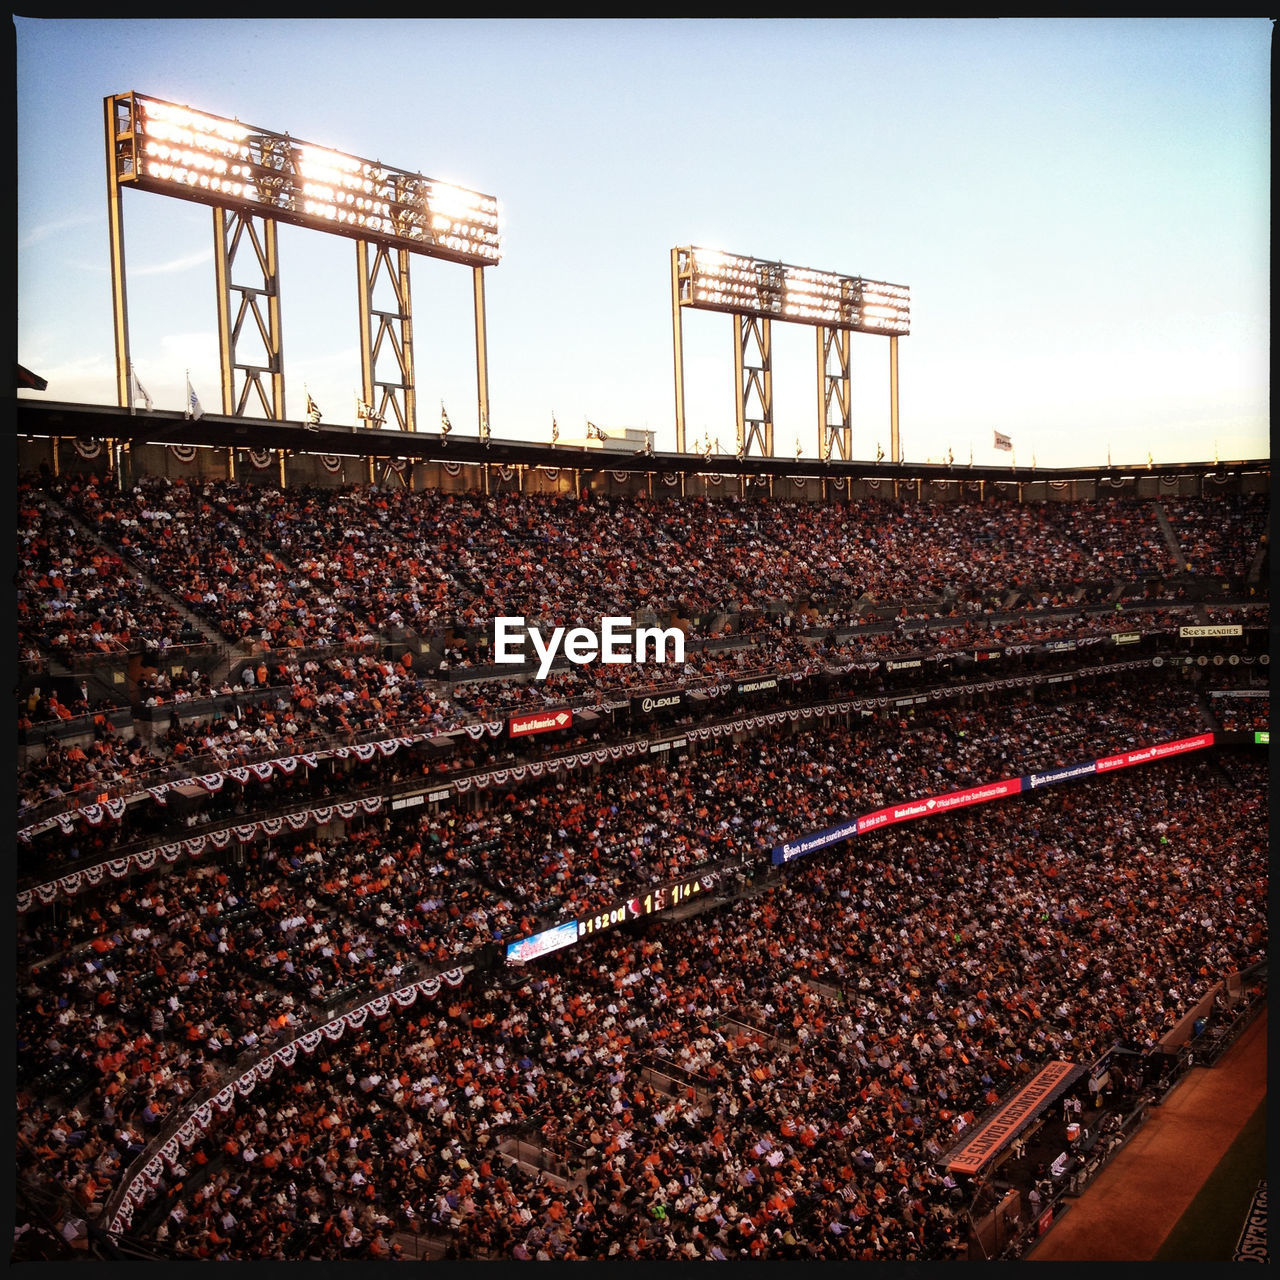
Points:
x=1208, y=1230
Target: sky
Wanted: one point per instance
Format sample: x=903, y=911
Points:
x=1080, y=208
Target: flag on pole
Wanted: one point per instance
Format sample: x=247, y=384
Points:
x=137, y=392
x=594, y=432
x=313, y=412
x=1002, y=442
x=879, y=452
x=555, y=428
x=193, y=409
x=445, y=425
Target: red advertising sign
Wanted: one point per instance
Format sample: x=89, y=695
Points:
x=939, y=804
x=1157, y=752
x=539, y=722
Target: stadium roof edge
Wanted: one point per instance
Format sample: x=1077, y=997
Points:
x=45, y=418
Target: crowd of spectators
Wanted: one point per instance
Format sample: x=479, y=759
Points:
x=197, y=749
x=307, y=919
x=1246, y=714
x=1219, y=538
x=314, y=567
x=76, y=597
x=778, y=1078
x=359, y=695
x=830, y=1033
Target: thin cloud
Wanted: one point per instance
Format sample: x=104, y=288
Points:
x=173, y=266
x=57, y=227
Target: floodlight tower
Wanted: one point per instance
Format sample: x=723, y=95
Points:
x=255, y=179
x=756, y=292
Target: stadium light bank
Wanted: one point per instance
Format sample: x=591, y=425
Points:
x=611, y=644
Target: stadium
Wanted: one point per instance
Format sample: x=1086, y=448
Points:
x=871, y=927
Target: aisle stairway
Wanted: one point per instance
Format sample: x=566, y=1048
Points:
x=1170, y=537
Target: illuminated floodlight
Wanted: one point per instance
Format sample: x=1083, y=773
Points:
x=744, y=285
x=175, y=151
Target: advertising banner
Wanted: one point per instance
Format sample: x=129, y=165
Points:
x=819, y=840
x=1034, y=780
x=539, y=722
x=931, y=806
x=1221, y=629
x=939, y=804
x=756, y=686
x=1158, y=752
x=1126, y=637
x=657, y=702
x=541, y=944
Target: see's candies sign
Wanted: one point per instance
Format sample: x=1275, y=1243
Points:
x=539, y=722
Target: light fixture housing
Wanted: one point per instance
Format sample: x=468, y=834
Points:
x=176, y=151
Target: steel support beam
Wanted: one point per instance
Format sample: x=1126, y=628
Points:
x=753, y=337
x=120, y=156
x=835, y=391
x=393, y=327
x=895, y=445
x=482, y=353
x=677, y=333
x=238, y=303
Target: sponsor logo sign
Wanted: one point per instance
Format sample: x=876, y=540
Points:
x=1126, y=637
x=934, y=805
x=541, y=944
x=820, y=840
x=657, y=702
x=904, y=665
x=1048, y=778
x=539, y=722
x=1221, y=629
x=1158, y=751
x=757, y=686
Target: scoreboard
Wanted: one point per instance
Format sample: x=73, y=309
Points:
x=649, y=903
